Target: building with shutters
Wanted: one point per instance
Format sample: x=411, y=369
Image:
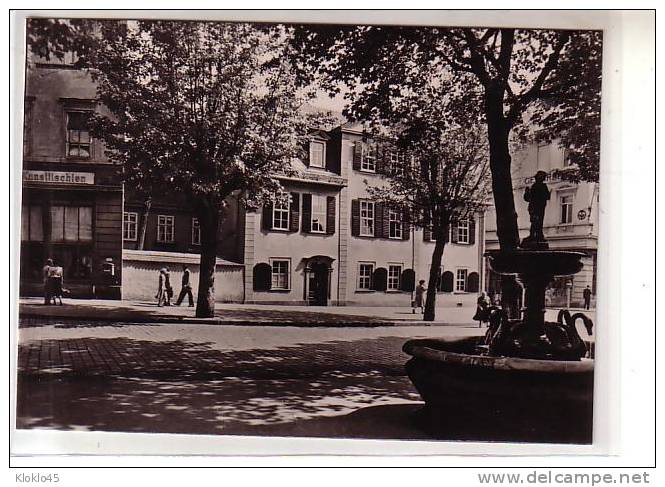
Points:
x=571, y=220
x=328, y=245
x=332, y=245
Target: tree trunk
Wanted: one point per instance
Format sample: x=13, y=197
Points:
x=144, y=222
x=208, y=216
x=434, y=273
x=507, y=230
x=498, y=132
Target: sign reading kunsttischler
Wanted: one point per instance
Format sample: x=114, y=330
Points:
x=58, y=177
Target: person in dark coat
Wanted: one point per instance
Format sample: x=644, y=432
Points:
x=47, y=281
x=482, y=310
x=419, y=302
x=186, y=289
x=586, y=294
x=167, y=287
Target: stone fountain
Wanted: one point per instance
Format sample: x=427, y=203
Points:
x=526, y=379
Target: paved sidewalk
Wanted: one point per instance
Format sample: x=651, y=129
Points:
x=239, y=314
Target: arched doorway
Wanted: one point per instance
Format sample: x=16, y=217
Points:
x=318, y=272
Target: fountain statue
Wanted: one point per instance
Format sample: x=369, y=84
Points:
x=526, y=379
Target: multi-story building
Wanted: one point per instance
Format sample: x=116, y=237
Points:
x=332, y=244
x=329, y=244
x=571, y=220
x=72, y=195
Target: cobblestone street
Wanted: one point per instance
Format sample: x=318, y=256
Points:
x=212, y=379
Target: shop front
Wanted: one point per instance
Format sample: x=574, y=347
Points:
x=66, y=217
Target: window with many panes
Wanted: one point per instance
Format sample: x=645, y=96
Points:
x=71, y=223
x=366, y=218
x=78, y=135
x=280, y=216
x=398, y=162
x=130, y=225
x=365, y=271
x=32, y=228
x=395, y=224
x=368, y=160
x=319, y=212
x=460, y=280
x=196, y=232
x=165, y=228
x=394, y=273
x=280, y=273
x=317, y=154
x=463, y=232
x=566, y=205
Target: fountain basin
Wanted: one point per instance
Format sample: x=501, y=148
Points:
x=475, y=397
x=540, y=262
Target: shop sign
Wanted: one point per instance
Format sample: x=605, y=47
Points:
x=58, y=177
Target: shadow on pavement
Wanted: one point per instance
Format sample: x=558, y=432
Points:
x=128, y=385
x=35, y=314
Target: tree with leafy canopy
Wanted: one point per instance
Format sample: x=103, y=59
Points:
x=526, y=82
x=438, y=172
x=205, y=110
x=543, y=81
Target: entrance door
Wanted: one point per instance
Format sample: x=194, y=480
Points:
x=318, y=285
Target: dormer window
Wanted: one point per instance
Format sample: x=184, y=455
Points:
x=317, y=154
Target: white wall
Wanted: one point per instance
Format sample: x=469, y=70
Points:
x=140, y=275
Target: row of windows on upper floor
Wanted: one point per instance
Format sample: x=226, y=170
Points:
x=317, y=215
x=165, y=228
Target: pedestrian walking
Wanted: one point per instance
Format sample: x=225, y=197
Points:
x=55, y=276
x=482, y=310
x=47, y=282
x=418, y=302
x=186, y=289
x=161, y=288
x=167, y=286
x=586, y=294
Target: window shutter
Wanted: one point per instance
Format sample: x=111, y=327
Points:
x=306, y=150
x=454, y=236
x=294, y=213
x=447, y=282
x=357, y=155
x=355, y=218
x=330, y=215
x=306, y=212
x=407, y=281
x=380, y=279
x=380, y=167
x=262, y=277
x=267, y=217
x=472, y=282
x=378, y=220
x=406, y=228
x=472, y=231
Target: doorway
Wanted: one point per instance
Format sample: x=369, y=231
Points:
x=318, y=284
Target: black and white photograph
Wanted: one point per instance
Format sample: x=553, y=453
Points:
x=312, y=230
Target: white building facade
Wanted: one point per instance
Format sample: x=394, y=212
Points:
x=571, y=220
x=333, y=245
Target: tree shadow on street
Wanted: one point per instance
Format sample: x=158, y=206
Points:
x=180, y=387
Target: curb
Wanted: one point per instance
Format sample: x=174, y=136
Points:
x=223, y=322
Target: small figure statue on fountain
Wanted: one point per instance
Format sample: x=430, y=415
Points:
x=537, y=195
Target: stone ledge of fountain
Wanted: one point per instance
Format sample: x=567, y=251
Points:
x=502, y=398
